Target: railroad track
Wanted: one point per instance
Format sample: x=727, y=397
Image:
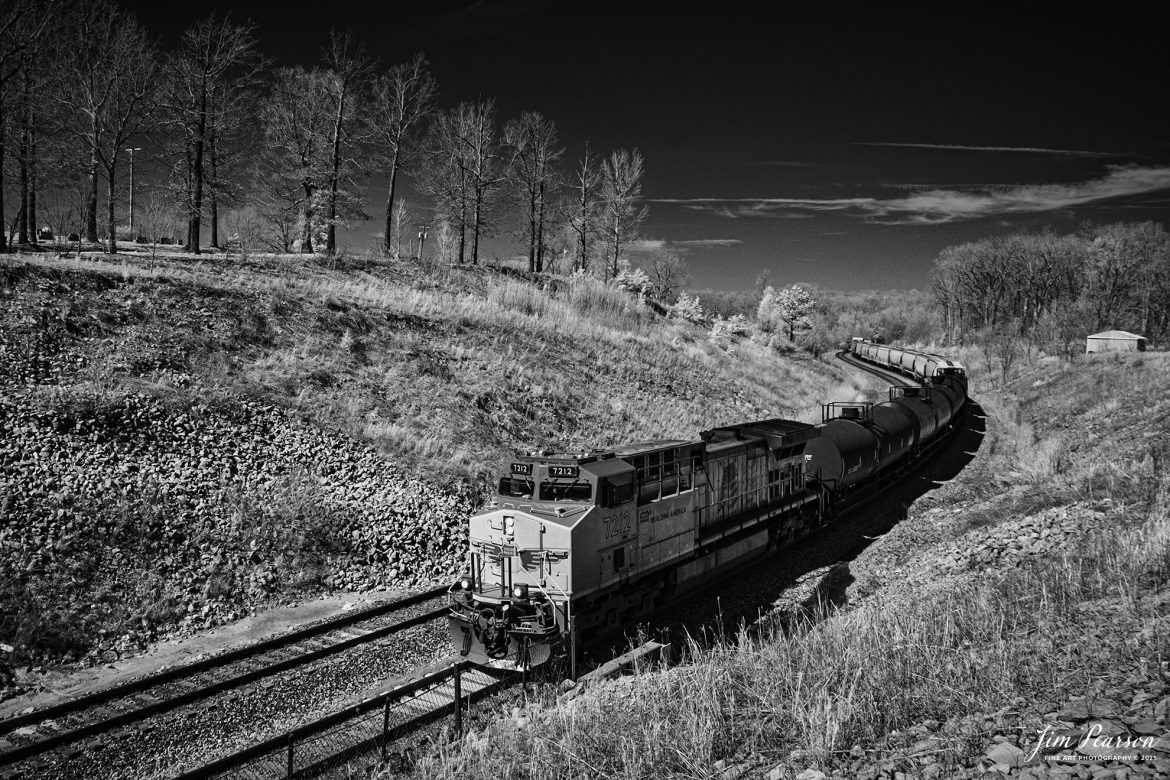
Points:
x=354, y=735
x=125, y=707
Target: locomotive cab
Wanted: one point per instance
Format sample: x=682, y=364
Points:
x=511, y=606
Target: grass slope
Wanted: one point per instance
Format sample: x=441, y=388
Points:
x=1030, y=591
x=186, y=439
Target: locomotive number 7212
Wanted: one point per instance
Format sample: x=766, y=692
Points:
x=619, y=524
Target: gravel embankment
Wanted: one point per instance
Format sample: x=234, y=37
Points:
x=143, y=520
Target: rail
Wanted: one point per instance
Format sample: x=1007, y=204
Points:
x=94, y=701
x=354, y=732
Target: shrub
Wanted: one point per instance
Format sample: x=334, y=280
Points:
x=688, y=308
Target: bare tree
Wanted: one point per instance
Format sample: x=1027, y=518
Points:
x=583, y=212
x=22, y=27
x=111, y=67
x=297, y=124
x=464, y=170
x=216, y=60
x=621, y=195
x=533, y=141
x=668, y=273
x=347, y=69
x=401, y=228
x=401, y=99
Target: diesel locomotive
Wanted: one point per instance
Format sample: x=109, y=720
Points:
x=575, y=545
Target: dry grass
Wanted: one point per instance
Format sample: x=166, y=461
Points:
x=1027, y=637
x=446, y=372
x=850, y=680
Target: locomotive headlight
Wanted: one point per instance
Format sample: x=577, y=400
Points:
x=520, y=592
x=465, y=583
x=505, y=607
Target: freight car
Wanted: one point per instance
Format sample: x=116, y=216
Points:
x=573, y=546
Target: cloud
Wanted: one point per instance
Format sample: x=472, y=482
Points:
x=964, y=148
x=936, y=206
x=656, y=244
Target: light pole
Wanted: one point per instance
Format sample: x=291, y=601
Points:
x=132, y=150
x=423, y=231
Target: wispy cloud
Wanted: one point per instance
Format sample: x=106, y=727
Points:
x=656, y=244
x=965, y=148
x=936, y=206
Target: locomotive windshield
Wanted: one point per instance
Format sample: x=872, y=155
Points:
x=566, y=491
x=511, y=487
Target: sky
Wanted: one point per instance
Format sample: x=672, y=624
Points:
x=843, y=147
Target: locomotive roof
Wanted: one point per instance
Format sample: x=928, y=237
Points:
x=777, y=432
x=590, y=456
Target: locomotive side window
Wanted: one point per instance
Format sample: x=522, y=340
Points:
x=515, y=488
x=565, y=491
x=664, y=474
x=617, y=490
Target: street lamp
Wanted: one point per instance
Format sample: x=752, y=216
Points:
x=132, y=150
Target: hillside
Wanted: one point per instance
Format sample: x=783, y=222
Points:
x=186, y=440
x=1027, y=593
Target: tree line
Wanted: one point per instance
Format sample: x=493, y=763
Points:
x=1054, y=289
x=288, y=150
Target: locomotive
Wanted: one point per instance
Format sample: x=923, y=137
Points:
x=574, y=545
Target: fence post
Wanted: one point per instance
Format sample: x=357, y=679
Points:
x=458, y=701
x=385, y=726
x=290, y=755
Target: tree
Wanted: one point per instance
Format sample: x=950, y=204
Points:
x=790, y=306
x=347, y=70
x=22, y=27
x=111, y=68
x=464, y=170
x=297, y=123
x=582, y=211
x=668, y=272
x=214, y=63
x=1123, y=274
x=533, y=141
x=621, y=194
x=401, y=99
x=399, y=244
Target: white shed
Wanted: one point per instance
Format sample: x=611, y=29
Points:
x=1115, y=341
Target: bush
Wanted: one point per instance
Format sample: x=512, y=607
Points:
x=689, y=309
x=736, y=325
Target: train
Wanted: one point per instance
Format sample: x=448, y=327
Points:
x=573, y=546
